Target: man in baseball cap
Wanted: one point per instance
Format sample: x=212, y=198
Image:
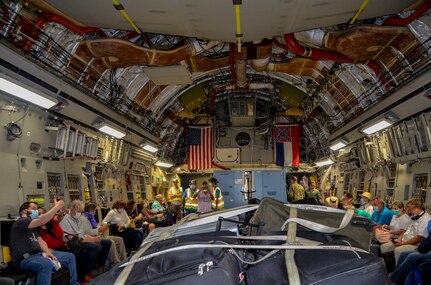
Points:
x=366, y=203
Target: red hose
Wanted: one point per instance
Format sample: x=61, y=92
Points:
x=409, y=19
x=314, y=53
x=52, y=18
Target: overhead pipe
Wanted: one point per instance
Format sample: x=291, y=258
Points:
x=47, y=17
x=259, y=55
x=120, y=53
x=409, y=19
x=321, y=54
x=241, y=72
x=171, y=115
x=314, y=53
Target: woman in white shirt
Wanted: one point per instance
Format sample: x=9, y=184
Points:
x=400, y=221
x=119, y=225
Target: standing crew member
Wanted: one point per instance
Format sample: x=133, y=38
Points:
x=190, y=203
x=175, y=197
x=218, y=202
x=296, y=191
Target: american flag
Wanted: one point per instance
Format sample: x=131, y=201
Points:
x=200, y=148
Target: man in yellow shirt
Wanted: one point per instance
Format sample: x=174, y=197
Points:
x=175, y=196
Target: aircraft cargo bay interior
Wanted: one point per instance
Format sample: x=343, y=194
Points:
x=194, y=142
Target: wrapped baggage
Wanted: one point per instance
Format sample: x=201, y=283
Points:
x=297, y=244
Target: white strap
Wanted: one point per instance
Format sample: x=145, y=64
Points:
x=289, y=255
x=319, y=227
x=299, y=240
x=243, y=246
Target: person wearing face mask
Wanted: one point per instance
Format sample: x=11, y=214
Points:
x=117, y=251
x=416, y=231
x=204, y=197
x=366, y=203
x=119, y=225
x=400, y=221
x=52, y=233
x=95, y=249
x=346, y=202
x=190, y=203
x=218, y=202
x=381, y=214
x=30, y=251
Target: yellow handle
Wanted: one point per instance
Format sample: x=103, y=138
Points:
x=238, y=26
x=126, y=16
x=358, y=12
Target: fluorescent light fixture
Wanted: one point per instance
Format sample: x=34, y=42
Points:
x=20, y=92
x=163, y=164
x=150, y=148
x=112, y=132
x=324, y=162
x=380, y=125
x=337, y=146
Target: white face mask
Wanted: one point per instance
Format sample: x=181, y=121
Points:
x=120, y=211
x=77, y=215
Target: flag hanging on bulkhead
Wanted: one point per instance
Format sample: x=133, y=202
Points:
x=200, y=148
x=286, y=138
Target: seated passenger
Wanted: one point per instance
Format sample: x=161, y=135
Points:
x=158, y=204
x=410, y=260
x=399, y=222
x=117, y=252
x=94, y=251
x=415, y=233
x=332, y=201
x=52, y=233
x=119, y=225
x=366, y=203
x=30, y=251
x=347, y=201
x=381, y=214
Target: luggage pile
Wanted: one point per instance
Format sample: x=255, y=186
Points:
x=290, y=244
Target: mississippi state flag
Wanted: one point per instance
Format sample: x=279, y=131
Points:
x=286, y=140
x=200, y=148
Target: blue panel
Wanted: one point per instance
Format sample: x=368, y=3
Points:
x=274, y=184
x=258, y=184
x=266, y=183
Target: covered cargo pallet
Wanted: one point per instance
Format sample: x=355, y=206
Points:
x=323, y=252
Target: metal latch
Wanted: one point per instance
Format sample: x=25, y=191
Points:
x=202, y=267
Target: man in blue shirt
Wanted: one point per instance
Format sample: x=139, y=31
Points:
x=381, y=214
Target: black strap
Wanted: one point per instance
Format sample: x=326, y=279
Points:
x=50, y=233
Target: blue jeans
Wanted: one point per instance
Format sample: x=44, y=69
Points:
x=86, y=258
x=43, y=266
x=407, y=262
